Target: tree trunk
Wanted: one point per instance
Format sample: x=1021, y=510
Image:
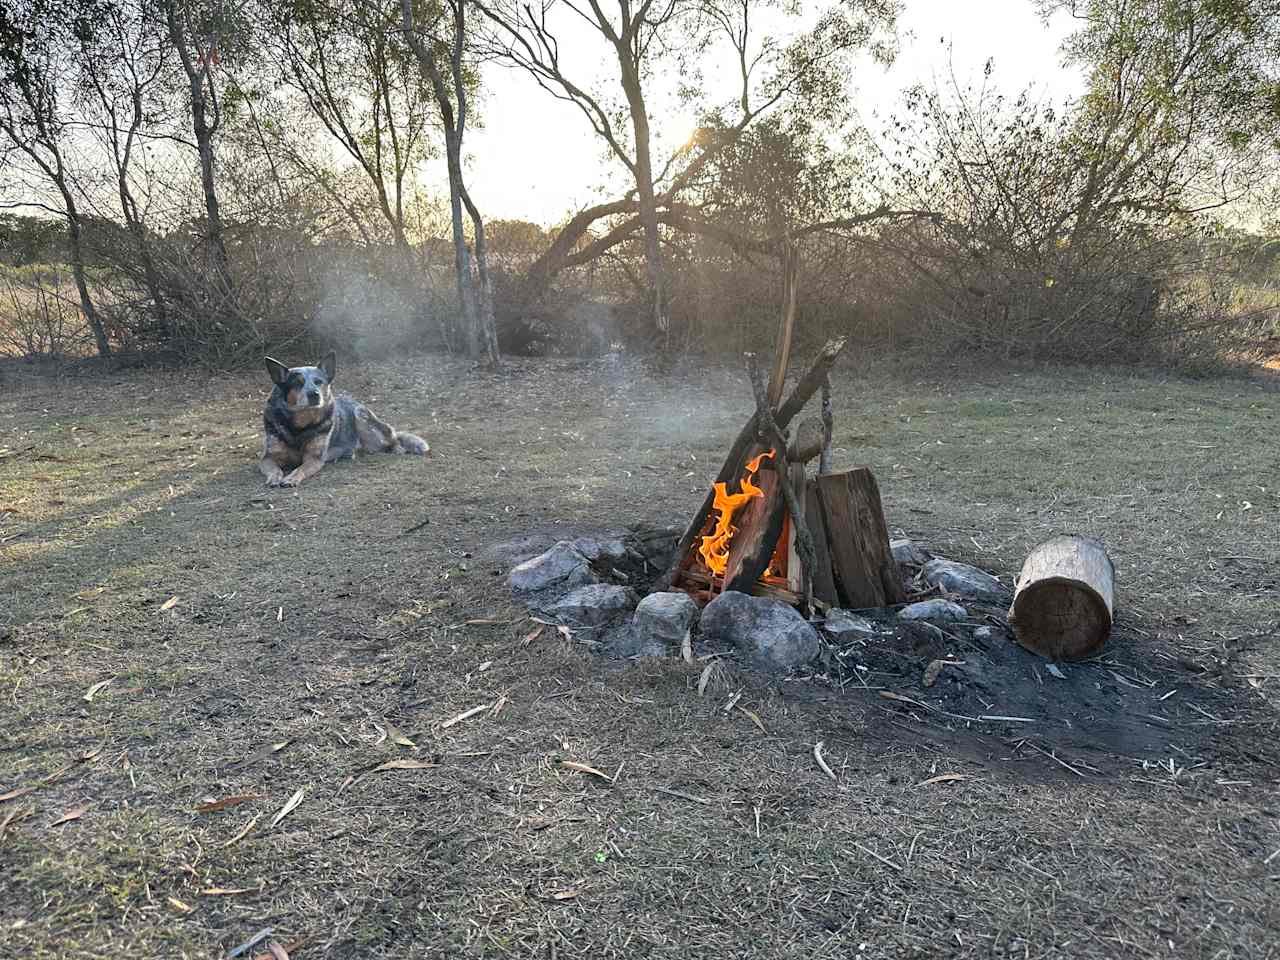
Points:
x=76, y=243
x=486, y=324
x=150, y=276
x=204, y=139
x=204, y=132
x=461, y=256
x=644, y=187
x=1065, y=598
x=475, y=299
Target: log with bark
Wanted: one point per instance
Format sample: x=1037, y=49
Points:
x=857, y=537
x=1065, y=598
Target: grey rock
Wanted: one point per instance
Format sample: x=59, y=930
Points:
x=601, y=548
x=909, y=553
x=769, y=633
x=593, y=605
x=560, y=569
x=667, y=617
x=626, y=641
x=942, y=611
x=508, y=553
x=967, y=581
x=984, y=633
x=847, y=626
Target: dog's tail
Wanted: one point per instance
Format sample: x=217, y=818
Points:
x=411, y=443
x=393, y=440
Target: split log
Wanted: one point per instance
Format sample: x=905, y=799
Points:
x=822, y=577
x=740, y=452
x=798, y=578
x=865, y=572
x=1064, y=602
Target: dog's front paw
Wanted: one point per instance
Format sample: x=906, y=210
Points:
x=290, y=479
x=275, y=478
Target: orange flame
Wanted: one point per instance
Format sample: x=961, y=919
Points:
x=715, y=547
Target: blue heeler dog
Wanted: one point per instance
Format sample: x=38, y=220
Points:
x=307, y=425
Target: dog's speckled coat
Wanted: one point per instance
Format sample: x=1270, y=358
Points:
x=307, y=425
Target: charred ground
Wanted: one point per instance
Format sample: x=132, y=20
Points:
x=370, y=607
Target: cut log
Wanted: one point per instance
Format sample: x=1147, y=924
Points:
x=1065, y=598
x=824, y=582
x=865, y=572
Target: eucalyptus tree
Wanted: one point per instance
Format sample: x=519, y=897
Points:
x=38, y=41
x=442, y=44
x=641, y=39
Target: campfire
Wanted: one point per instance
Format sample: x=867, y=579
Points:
x=770, y=529
x=766, y=527
x=779, y=524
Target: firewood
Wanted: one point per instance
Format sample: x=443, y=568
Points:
x=759, y=525
x=823, y=579
x=828, y=427
x=782, y=349
x=737, y=457
x=1065, y=598
x=865, y=572
x=808, y=441
x=771, y=433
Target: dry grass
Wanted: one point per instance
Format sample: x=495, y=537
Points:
x=312, y=618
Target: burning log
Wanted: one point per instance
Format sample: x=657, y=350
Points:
x=771, y=432
x=1064, y=602
x=744, y=447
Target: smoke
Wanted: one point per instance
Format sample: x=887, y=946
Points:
x=366, y=316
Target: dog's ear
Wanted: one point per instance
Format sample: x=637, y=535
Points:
x=329, y=365
x=278, y=371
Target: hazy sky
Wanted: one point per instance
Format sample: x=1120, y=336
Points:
x=537, y=158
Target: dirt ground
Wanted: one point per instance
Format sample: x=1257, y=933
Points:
x=184, y=654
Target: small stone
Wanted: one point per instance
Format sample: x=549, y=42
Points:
x=593, y=605
x=934, y=670
x=769, y=633
x=944, y=611
x=1054, y=671
x=909, y=553
x=667, y=617
x=984, y=633
x=559, y=569
x=967, y=581
x=597, y=548
x=844, y=625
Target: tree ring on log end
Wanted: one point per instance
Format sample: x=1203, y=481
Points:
x=1060, y=618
